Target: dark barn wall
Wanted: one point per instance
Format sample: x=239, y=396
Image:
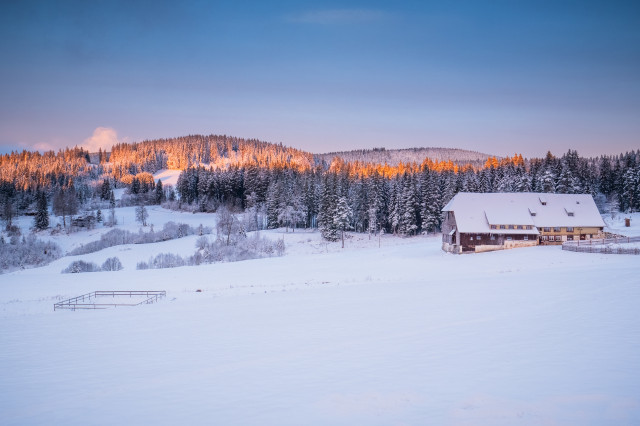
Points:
x=485, y=240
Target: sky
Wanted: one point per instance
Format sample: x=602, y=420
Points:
x=499, y=76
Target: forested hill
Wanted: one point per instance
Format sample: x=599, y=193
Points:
x=393, y=157
x=218, y=151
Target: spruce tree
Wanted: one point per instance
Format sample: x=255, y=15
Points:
x=41, y=219
x=159, y=192
x=408, y=219
x=342, y=217
x=327, y=212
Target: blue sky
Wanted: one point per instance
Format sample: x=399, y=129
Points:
x=494, y=76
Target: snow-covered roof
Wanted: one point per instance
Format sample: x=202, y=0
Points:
x=476, y=212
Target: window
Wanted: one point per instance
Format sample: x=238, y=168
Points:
x=511, y=227
x=569, y=237
x=494, y=227
x=470, y=238
x=569, y=228
x=557, y=229
x=558, y=237
x=509, y=238
x=478, y=237
x=502, y=227
x=493, y=237
x=546, y=229
x=519, y=226
x=526, y=238
x=543, y=238
x=529, y=227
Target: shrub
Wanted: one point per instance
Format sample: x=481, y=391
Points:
x=78, y=266
x=218, y=251
x=29, y=252
x=112, y=264
x=114, y=237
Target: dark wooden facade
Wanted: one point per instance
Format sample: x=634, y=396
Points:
x=460, y=242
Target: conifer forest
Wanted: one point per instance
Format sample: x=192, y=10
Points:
x=277, y=186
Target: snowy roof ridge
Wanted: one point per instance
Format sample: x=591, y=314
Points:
x=476, y=212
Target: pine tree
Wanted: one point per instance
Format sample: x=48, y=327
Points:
x=41, y=219
x=548, y=181
x=105, y=189
x=342, y=217
x=408, y=218
x=274, y=194
x=629, y=201
x=327, y=212
x=394, y=207
x=564, y=183
x=159, y=192
x=607, y=178
x=7, y=197
x=431, y=205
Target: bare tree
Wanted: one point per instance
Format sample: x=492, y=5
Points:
x=142, y=214
x=228, y=225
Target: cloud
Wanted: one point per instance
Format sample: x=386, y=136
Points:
x=337, y=16
x=44, y=147
x=103, y=137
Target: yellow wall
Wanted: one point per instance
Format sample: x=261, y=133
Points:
x=576, y=231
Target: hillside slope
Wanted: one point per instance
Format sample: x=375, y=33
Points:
x=393, y=157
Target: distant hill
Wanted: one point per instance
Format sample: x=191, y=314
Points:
x=393, y=157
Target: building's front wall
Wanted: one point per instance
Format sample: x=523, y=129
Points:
x=450, y=242
x=476, y=243
x=558, y=235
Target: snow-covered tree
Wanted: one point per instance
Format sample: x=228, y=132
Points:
x=327, y=213
x=342, y=217
x=142, y=214
x=228, y=226
x=408, y=203
x=548, y=181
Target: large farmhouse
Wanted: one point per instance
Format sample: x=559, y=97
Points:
x=476, y=222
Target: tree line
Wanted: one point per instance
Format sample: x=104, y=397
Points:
x=339, y=199
x=280, y=186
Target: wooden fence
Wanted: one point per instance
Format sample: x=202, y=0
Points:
x=88, y=301
x=602, y=245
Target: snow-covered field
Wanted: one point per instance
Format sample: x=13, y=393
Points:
x=388, y=331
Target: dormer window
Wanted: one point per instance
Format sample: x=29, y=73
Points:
x=543, y=201
x=532, y=212
x=569, y=211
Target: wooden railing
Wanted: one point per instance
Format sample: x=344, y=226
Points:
x=600, y=245
x=85, y=301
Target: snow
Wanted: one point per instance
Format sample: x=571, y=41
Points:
x=476, y=211
x=386, y=331
x=167, y=176
x=616, y=224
